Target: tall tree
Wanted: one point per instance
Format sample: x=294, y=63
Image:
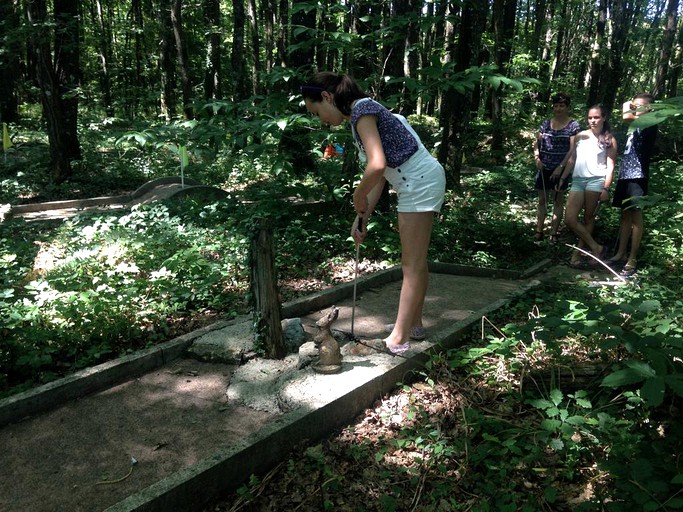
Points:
x=455, y=104
x=67, y=69
x=54, y=92
x=239, y=69
x=213, y=68
x=166, y=61
x=9, y=61
x=504, y=28
x=181, y=51
x=302, y=49
x=666, y=48
x=624, y=12
x=255, y=45
x=103, y=28
x=677, y=64
x=598, y=48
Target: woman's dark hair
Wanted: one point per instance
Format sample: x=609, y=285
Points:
x=343, y=88
x=605, y=136
x=561, y=97
x=645, y=96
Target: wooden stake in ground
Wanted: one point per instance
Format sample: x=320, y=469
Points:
x=266, y=303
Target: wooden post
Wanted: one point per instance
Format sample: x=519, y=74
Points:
x=266, y=303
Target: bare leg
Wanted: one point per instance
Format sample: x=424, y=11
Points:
x=636, y=234
x=558, y=208
x=625, y=229
x=416, y=232
x=574, y=204
x=541, y=211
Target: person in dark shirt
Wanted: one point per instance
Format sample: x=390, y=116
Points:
x=553, y=146
x=634, y=174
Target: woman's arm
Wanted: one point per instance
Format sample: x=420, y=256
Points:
x=611, y=162
x=366, y=127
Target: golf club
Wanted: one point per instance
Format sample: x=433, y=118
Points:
x=355, y=279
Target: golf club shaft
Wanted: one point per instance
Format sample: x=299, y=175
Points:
x=355, y=279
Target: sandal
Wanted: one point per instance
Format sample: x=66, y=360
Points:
x=399, y=349
x=553, y=238
x=629, y=269
x=417, y=333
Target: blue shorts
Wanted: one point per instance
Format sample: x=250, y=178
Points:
x=592, y=184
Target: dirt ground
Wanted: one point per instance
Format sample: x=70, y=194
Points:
x=75, y=458
x=78, y=457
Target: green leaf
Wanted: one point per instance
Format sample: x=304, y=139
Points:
x=540, y=403
x=182, y=152
x=649, y=306
x=582, y=402
x=557, y=444
x=642, y=368
x=653, y=391
x=678, y=479
x=550, y=494
x=623, y=377
x=556, y=396
x=550, y=425
x=675, y=382
x=576, y=420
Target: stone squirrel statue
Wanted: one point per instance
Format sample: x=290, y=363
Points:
x=328, y=347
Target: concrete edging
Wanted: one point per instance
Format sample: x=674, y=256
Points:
x=51, y=395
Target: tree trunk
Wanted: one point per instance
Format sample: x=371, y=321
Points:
x=166, y=64
x=267, y=314
x=135, y=76
x=269, y=17
x=255, y=46
x=624, y=12
x=504, y=30
x=560, y=44
x=105, y=51
x=60, y=125
x=183, y=64
x=302, y=19
x=455, y=105
x=544, y=64
x=596, y=59
x=68, y=71
x=666, y=47
x=675, y=69
x=396, y=45
x=212, y=71
x=239, y=81
x=9, y=62
x=283, y=36
x=411, y=57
